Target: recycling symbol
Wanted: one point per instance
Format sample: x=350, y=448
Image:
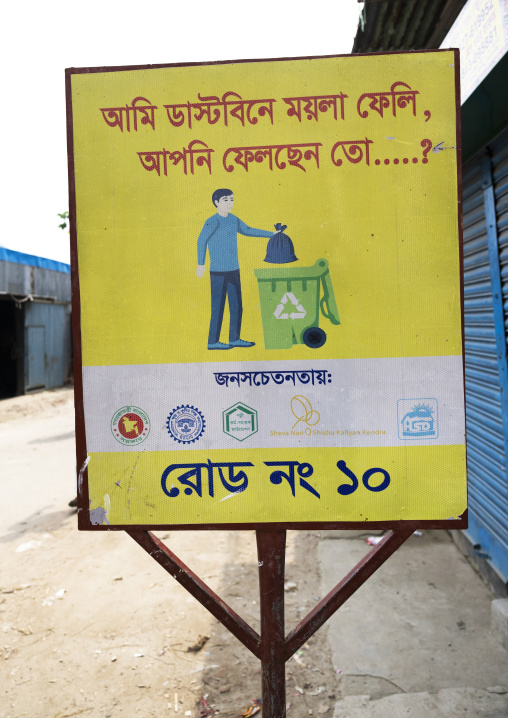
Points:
x=298, y=313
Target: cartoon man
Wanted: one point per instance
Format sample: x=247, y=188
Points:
x=219, y=235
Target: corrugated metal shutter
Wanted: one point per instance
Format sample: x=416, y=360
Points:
x=485, y=207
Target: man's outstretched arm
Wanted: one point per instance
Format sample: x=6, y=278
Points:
x=252, y=232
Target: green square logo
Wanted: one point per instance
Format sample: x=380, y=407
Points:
x=240, y=421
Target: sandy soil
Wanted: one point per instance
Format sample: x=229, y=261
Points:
x=91, y=625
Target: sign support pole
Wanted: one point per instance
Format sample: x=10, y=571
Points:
x=272, y=648
x=271, y=562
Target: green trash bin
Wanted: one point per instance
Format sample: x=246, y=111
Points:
x=290, y=300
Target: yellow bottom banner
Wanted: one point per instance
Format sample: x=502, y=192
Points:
x=277, y=485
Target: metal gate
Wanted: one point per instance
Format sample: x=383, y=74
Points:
x=35, y=358
x=47, y=345
x=485, y=208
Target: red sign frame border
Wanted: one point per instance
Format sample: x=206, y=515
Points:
x=84, y=523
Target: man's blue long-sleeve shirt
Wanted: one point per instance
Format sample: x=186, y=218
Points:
x=219, y=234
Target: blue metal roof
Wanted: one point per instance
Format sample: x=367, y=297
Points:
x=9, y=255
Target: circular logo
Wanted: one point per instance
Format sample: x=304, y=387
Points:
x=185, y=424
x=130, y=425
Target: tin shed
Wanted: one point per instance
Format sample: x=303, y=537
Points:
x=35, y=323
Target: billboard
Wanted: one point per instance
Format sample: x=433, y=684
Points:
x=267, y=292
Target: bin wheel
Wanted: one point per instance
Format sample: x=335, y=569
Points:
x=314, y=337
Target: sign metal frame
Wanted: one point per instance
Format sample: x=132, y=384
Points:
x=272, y=647
x=84, y=522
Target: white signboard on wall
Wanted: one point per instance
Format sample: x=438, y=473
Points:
x=481, y=34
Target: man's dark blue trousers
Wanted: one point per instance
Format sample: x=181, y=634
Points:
x=222, y=285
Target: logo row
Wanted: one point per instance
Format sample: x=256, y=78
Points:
x=185, y=424
x=130, y=425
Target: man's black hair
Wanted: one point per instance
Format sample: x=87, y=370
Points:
x=219, y=193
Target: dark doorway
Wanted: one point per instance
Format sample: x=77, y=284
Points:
x=8, y=349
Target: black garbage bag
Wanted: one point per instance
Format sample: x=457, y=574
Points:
x=280, y=248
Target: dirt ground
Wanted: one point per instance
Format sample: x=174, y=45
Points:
x=91, y=625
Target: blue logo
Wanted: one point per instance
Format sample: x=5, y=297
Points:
x=185, y=424
x=417, y=418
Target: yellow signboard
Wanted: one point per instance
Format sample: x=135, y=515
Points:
x=269, y=317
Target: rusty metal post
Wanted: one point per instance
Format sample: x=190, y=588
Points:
x=272, y=647
x=271, y=561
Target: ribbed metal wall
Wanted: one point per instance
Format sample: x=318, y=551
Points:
x=486, y=401
x=25, y=279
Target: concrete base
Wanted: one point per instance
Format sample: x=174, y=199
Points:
x=499, y=620
x=447, y=703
